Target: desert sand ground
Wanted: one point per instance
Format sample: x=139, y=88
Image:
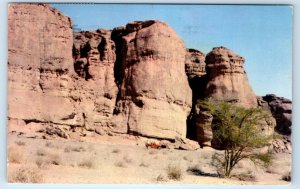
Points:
x=127, y=160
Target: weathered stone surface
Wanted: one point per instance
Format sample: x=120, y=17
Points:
x=281, y=109
x=186, y=144
x=94, y=59
x=227, y=79
x=194, y=63
x=154, y=97
x=39, y=70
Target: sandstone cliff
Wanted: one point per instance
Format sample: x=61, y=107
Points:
x=227, y=79
x=136, y=79
x=154, y=97
x=39, y=65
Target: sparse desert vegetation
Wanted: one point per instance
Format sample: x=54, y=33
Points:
x=48, y=161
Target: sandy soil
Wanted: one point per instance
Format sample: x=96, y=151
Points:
x=125, y=160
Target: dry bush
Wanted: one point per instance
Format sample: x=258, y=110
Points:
x=26, y=175
x=142, y=164
x=245, y=177
x=74, y=149
x=187, y=158
x=174, y=171
x=88, y=163
x=161, y=178
x=55, y=159
x=116, y=151
x=127, y=159
x=287, y=177
x=51, y=145
x=120, y=164
x=14, y=156
x=41, y=163
x=20, y=143
x=41, y=152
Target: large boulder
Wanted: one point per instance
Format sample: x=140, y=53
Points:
x=227, y=79
x=154, y=95
x=281, y=109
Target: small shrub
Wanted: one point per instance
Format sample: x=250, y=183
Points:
x=287, y=177
x=245, y=177
x=161, y=178
x=87, y=164
x=41, y=152
x=14, y=156
x=20, y=143
x=74, y=149
x=51, y=145
x=55, y=159
x=187, y=158
x=120, y=164
x=174, y=171
x=39, y=162
x=127, y=159
x=26, y=175
x=144, y=164
x=116, y=151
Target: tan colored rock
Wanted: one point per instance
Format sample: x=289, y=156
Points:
x=94, y=59
x=227, y=79
x=154, y=97
x=40, y=65
x=194, y=63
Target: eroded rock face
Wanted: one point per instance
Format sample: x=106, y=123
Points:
x=281, y=109
x=154, y=97
x=194, y=63
x=39, y=70
x=227, y=79
x=94, y=59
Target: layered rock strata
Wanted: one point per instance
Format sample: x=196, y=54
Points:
x=40, y=66
x=154, y=96
x=227, y=79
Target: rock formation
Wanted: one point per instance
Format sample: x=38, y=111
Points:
x=281, y=109
x=227, y=79
x=39, y=69
x=154, y=97
x=194, y=63
x=96, y=90
x=136, y=79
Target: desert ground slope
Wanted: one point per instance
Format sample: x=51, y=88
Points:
x=126, y=160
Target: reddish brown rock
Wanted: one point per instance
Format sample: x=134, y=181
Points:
x=227, y=79
x=154, y=97
x=281, y=109
x=194, y=63
x=39, y=70
x=94, y=59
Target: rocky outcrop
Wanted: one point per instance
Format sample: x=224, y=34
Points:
x=227, y=79
x=281, y=109
x=194, y=63
x=101, y=81
x=96, y=90
x=154, y=97
x=39, y=65
x=138, y=79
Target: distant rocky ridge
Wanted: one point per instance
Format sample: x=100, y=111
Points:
x=136, y=79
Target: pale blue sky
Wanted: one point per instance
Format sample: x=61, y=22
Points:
x=261, y=34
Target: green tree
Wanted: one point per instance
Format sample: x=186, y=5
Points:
x=238, y=130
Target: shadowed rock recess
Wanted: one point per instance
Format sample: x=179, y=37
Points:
x=136, y=79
